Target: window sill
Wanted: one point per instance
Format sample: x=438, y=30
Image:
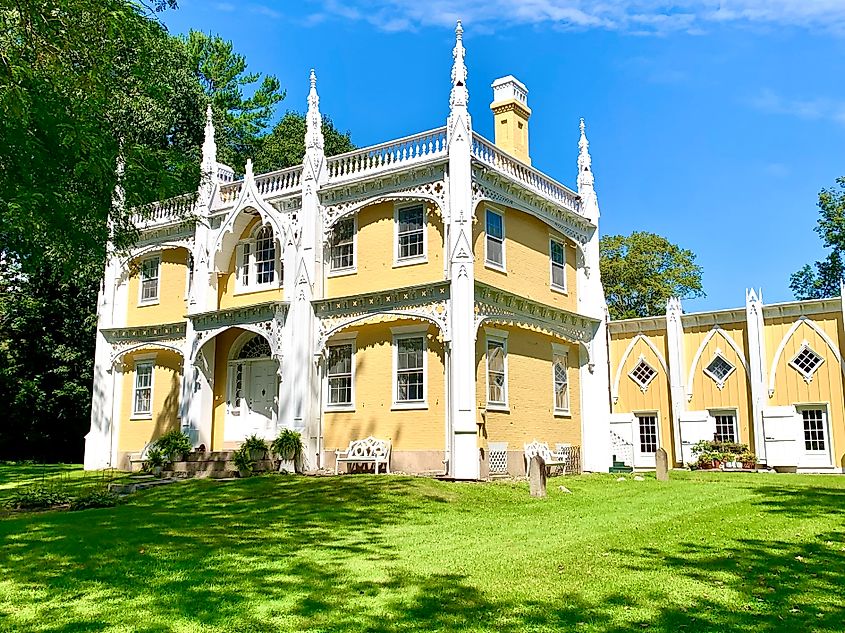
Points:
x=151, y=302
x=343, y=408
x=342, y=272
x=497, y=267
x=140, y=416
x=498, y=408
x=559, y=290
x=561, y=413
x=411, y=261
x=408, y=406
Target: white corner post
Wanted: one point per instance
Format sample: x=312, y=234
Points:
x=464, y=458
x=594, y=368
x=675, y=360
x=756, y=368
x=197, y=398
x=301, y=326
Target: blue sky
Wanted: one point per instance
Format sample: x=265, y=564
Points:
x=714, y=123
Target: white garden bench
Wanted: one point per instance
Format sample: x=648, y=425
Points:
x=542, y=449
x=370, y=450
x=140, y=457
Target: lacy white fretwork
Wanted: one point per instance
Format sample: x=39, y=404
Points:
x=266, y=319
x=170, y=336
x=427, y=302
x=486, y=185
x=427, y=184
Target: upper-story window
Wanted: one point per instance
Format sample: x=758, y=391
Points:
x=258, y=265
x=557, y=261
x=149, y=280
x=410, y=234
x=342, y=255
x=494, y=251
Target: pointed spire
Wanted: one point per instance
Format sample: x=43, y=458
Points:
x=209, y=147
x=248, y=174
x=585, y=169
x=314, y=120
x=460, y=95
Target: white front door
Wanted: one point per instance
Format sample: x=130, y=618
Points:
x=646, y=440
x=261, y=397
x=815, y=437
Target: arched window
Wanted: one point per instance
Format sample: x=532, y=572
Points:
x=256, y=347
x=258, y=260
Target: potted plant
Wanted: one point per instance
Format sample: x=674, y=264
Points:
x=748, y=459
x=155, y=462
x=243, y=462
x=288, y=446
x=173, y=445
x=256, y=447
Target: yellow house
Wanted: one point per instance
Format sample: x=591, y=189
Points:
x=436, y=291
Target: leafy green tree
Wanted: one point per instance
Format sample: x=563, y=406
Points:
x=642, y=270
x=823, y=278
x=285, y=145
x=240, y=121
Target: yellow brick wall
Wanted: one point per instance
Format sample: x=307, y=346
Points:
x=375, y=254
x=226, y=295
x=527, y=258
x=826, y=386
x=173, y=279
x=135, y=433
x=408, y=430
x=530, y=391
x=631, y=398
x=736, y=393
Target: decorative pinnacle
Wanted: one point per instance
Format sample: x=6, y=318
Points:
x=313, y=80
x=459, y=96
x=209, y=147
x=583, y=127
x=313, y=119
x=459, y=31
x=585, y=170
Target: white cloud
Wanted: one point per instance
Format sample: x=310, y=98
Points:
x=808, y=109
x=635, y=16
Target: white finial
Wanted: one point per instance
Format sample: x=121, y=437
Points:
x=209, y=146
x=460, y=95
x=585, y=170
x=314, y=121
x=248, y=169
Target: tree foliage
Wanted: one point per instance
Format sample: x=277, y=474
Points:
x=823, y=278
x=285, y=145
x=641, y=271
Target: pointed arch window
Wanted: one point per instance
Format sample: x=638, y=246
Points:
x=258, y=266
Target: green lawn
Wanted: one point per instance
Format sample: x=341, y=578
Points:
x=706, y=552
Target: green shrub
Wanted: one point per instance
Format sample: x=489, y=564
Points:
x=255, y=443
x=173, y=444
x=96, y=498
x=243, y=461
x=37, y=498
x=155, y=459
x=288, y=445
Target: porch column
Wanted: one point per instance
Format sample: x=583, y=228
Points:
x=756, y=368
x=676, y=362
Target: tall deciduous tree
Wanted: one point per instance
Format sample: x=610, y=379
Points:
x=240, y=121
x=285, y=145
x=822, y=279
x=642, y=270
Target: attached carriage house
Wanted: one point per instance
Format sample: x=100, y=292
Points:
x=439, y=292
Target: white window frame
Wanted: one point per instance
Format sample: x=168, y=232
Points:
x=724, y=411
x=349, y=270
x=157, y=298
x=345, y=339
x=555, y=287
x=720, y=383
x=253, y=285
x=639, y=437
x=642, y=387
x=189, y=275
x=493, y=335
x=808, y=377
x=143, y=360
x=416, y=259
x=825, y=409
x=401, y=333
x=501, y=267
x=561, y=350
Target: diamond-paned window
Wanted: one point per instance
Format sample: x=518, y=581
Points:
x=643, y=374
x=719, y=369
x=806, y=362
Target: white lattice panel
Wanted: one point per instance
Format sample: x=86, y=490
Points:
x=498, y=457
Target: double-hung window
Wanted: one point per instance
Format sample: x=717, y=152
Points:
x=340, y=375
x=497, y=372
x=410, y=233
x=560, y=379
x=494, y=252
x=409, y=374
x=149, y=279
x=725, y=426
x=342, y=256
x=557, y=261
x=257, y=261
x=143, y=395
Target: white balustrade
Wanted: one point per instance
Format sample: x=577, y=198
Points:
x=399, y=153
x=280, y=181
x=230, y=192
x=165, y=211
x=486, y=152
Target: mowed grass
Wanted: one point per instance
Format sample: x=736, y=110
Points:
x=705, y=552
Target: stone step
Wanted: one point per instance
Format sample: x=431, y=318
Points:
x=212, y=465
x=128, y=488
x=209, y=456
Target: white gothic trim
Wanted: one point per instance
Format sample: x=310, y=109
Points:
x=733, y=345
x=813, y=326
x=360, y=319
x=650, y=344
x=123, y=351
